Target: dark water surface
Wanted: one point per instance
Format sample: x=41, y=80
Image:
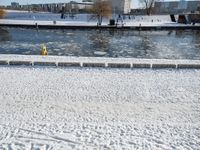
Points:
x=98, y=43
x=102, y=43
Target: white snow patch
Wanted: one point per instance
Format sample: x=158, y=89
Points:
x=52, y=108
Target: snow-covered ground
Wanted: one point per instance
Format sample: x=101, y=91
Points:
x=25, y=18
x=89, y=23
x=93, y=23
x=53, y=108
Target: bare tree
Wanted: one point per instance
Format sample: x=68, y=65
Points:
x=101, y=9
x=148, y=5
x=2, y=13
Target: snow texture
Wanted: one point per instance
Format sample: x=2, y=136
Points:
x=24, y=18
x=47, y=108
x=87, y=23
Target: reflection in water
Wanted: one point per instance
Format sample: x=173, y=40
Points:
x=170, y=32
x=146, y=43
x=106, y=43
x=196, y=43
x=179, y=33
x=99, y=42
x=196, y=39
x=4, y=35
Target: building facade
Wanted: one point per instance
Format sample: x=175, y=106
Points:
x=121, y=6
x=176, y=7
x=118, y=6
x=14, y=5
x=54, y=7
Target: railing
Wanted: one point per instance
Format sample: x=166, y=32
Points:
x=99, y=65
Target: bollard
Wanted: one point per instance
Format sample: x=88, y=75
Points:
x=43, y=50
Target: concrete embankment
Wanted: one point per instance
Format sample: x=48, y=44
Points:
x=140, y=28
x=93, y=62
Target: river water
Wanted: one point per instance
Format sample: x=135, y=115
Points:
x=101, y=43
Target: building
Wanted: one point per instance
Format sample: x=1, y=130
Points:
x=118, y=6
x=3, y=6
x=121, y=6
x=55, y=7
x=176, y=7
x=14, y=5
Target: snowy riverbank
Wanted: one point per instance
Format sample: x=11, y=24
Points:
x=57, y=108
x=84, y=20
x=78, y=23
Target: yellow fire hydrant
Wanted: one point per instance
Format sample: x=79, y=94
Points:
x=43, y=50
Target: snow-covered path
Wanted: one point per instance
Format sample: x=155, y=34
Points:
x=54, y=108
